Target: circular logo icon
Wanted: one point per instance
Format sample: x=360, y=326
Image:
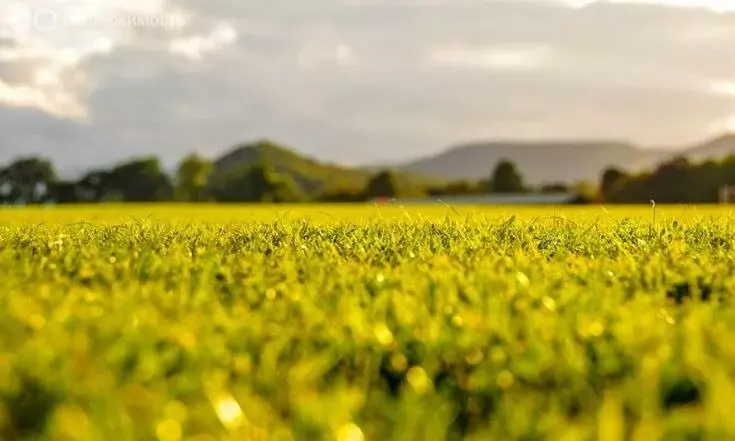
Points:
x=45, y=20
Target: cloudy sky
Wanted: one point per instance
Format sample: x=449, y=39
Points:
x=91, y=82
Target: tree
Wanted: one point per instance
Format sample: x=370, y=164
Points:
x=192, y=178
x=507, y=179
x=556, y=187
x=673, y=181
x=27, y=180
x=676, y=181
x=255, y=184
x=585, y=192
x=382, y=185
x=612, y=178
x=140, y=180
x=342, y=193
x=95, y=186
x=458, y=188
x=65, y=192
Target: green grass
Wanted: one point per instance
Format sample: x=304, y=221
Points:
x=379, y=323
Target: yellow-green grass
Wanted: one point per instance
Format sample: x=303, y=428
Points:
x=205, y=323
x=347, y=213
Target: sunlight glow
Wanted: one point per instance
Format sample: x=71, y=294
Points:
x=718, y=6
x=726, y=88
x=46, y=95
x=490, y=57
x=730, y=124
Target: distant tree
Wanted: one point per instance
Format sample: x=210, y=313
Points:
x=458, y=188
x=507, y=179
x=27, y=181
x=140, y=180
x=65, y=192
x=382, y=185
x=611, y=180
x=586, y=192
x=192, y=178
x=673, y=181
x=95, y=186
x=554, y=188
x=255, y=184
x=277, y=187
x=342, y=193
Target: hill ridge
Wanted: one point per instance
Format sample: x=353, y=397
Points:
x=557, y=160
x=540, y=161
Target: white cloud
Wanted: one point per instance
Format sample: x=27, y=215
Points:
x=49, y=78
x=194, y=47
x=718, y=6
x=51, y=41
x=312, y=55
x=43, y=94
x=45, y=45
x=724, y=124
x=730, y=124
x=726, y=88
x=462, y=56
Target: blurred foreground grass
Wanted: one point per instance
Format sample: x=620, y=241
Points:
x=177, y=323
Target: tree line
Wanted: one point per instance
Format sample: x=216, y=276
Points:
x=678, y=180
x=34, y=180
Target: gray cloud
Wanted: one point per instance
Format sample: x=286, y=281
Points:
x=362, y=82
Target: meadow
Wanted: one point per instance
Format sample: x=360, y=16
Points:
x=380, y=323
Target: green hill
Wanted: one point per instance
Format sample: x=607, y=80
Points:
x=314, y=176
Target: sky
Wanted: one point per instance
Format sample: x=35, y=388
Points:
x=93, y=82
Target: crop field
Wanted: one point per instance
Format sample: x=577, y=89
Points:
x=377, y=323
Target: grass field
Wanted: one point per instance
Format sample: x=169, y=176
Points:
x=181, y=323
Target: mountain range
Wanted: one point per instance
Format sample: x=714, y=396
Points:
x=540, y=162
x=558, y=161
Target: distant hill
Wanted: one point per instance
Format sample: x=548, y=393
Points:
x=714, y=149
x=311, y=174
x=540, y=162
x=545, y=162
